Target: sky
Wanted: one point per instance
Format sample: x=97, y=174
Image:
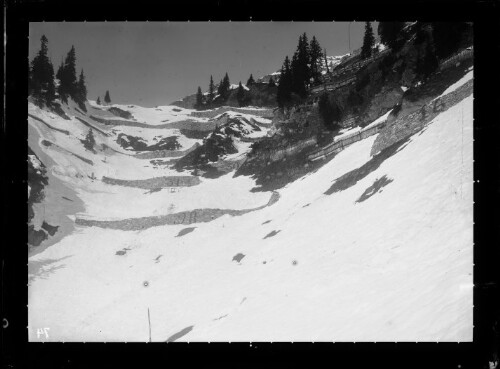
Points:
x=156, y=63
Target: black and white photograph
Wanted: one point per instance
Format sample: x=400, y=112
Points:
x=250, y=181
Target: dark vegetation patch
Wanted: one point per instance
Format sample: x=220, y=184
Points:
x=194, y=134
x=51, y=230
x=138, y=144
x=36, y=237
x=121, y=113
x=272, y=234
x=56, y=108
x=179, y=334
x=185, y=231
x=238, y=257
x=374, y=188
x=351, y=178
x=37, y=180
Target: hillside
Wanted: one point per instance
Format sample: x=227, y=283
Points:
x=260, y=224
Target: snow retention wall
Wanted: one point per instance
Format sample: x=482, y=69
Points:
x=462, y=55
x=264, y=113
x=408, y=125
x=281, y=152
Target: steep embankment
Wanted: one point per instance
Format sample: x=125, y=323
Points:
x=365, y=248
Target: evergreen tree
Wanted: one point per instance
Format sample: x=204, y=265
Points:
x=68, y=85
x=107, y=99
x=220, y=88
x=315, y=55
x=283, y=96
x=42, y=74
x=389, y=33
x=89, y=141
x=82, y=88
x=300, y=67
x=211, y=90
x=240, y=94
x=226, y=85
x=326, y=62
x=250, y=81
x=271, y=82
x=368, y=42
x=98, y=101
x=199, y=99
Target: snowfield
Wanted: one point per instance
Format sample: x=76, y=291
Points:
x=386, y=258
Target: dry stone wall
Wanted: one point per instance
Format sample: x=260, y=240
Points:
x=408, y=125
x=264, y=113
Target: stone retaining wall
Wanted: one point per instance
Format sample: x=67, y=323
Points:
x=405, y=126
x=155, y=183
x=264, y=113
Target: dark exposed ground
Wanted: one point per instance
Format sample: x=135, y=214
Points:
x=155, y=183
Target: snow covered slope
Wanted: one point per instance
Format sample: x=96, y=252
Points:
x=364, y=249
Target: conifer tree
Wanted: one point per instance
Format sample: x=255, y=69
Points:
x=285, y=84
x=447, y=37
x=315, y=55
x=368, y=42
x=199, y=99
x=211, y=90
x=326, y=62
x=250, y=81
x=42, y=74
x=98, y=101
x=240, y=94
x=427, y=61
x=220, y=88
x=82, y=88
x=107, y=99
x=300, y=67
x=89, y=141
x=271, y=82
x=226, y=85
x=68, y=85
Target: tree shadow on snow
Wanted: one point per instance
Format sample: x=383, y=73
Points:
x=374, y=188
x=351, y=178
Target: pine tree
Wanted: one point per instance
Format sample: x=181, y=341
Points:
x=89, y=141
x=82, y=88
x=226, y=85
x=283, y=95
x=271, y=82
x=250, y=81
x=240, y=94
x=107, y=99
x=368, y=42
x=98, y=101
x=300, y=67
x=315, y=55
x=211, y=90
x=42, y=74
x=326, y=62
x=389, y=33
x=199, y=99
x=220, y=88
x=68, y=85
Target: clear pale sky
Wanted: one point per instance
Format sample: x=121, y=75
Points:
x=155, y=63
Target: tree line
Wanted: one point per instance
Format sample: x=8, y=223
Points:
x=45, y=86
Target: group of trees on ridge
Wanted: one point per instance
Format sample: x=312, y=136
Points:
x=45, y=87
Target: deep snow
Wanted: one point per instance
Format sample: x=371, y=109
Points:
x=315, y=267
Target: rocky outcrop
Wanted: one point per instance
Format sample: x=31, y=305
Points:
x=155, y=183
x=264, y=113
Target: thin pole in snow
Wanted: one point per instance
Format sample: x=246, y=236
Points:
x=149, y=321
